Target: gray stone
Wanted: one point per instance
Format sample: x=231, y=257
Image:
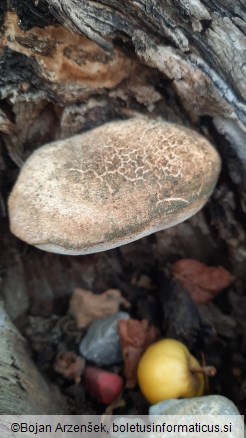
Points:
x=101, y=344
x=210, y=404
x=207, y=410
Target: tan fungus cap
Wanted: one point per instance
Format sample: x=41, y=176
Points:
x=112, y=185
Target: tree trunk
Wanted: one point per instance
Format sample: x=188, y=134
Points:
x=67, y=66
x=23, y=389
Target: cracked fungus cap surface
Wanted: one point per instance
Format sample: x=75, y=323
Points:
x=112, y=185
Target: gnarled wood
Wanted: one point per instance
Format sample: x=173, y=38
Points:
x=22, y=389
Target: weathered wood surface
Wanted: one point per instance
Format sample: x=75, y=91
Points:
x=23, y=389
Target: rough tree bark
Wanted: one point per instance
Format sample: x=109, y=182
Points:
x=23, y=390
x=69, y=65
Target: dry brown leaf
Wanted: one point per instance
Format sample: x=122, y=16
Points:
x=203, y=283
x=135, y=337
x=69, y=365
x=86, y=306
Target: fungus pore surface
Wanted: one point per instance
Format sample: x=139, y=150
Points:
x=112, y=185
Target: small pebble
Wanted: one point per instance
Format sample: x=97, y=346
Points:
x=101, y=344
x=101, y=385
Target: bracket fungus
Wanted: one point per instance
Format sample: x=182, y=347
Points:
x=112, y=185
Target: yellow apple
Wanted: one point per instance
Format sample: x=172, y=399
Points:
x=167, y=370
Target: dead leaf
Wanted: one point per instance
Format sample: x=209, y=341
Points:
x=203, y=283
x=85, y=306
x=69, y=365
x=135, y=337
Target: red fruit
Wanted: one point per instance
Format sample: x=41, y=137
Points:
x=103, y=386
